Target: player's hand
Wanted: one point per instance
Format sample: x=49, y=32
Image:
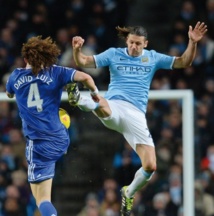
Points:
x=95, y=97
x=77, y=42
x=9, y=95
x=198, y=32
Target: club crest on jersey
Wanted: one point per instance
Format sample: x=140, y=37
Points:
x=145, y=59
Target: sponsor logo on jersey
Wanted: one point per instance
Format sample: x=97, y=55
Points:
x=134, y=68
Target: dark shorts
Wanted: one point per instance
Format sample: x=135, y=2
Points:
x=41, y=157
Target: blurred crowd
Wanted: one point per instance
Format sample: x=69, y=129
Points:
x=95, y=21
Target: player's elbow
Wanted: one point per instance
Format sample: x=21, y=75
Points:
x=190, y=64
x=78, y=64
x=87, y=62
x=187, y=64
x=182, y=63
x=186, y=61
x=81, y=62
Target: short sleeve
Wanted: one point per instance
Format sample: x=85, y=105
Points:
x=9, y=85
x=103, y=59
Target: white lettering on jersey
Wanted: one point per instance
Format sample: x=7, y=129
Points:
x=23, y=80
x=26, y=79
x=44, y=78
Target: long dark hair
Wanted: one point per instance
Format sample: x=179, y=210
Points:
x=135, y=30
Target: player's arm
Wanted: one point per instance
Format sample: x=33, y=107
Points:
x=9, y=94
x=188, y=56
x=88, y=82
x=80, y=59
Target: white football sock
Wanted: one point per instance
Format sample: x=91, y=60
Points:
x=140, y=179
x=86, y=103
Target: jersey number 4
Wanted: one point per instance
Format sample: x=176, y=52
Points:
x=33, y=99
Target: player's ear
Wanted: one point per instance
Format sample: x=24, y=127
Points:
x=146, y=43
x=25, y=60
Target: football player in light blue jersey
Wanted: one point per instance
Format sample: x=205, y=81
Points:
x=38, y=89
x=124, y=106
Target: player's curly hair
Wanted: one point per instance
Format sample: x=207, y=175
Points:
x=123, y=32
x=40, y=53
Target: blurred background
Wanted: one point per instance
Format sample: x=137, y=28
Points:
x=99, y=161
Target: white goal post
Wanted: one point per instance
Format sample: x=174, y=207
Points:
x=186, y=96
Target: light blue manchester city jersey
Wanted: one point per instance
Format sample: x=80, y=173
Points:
x=130, y=77
x=38, y=99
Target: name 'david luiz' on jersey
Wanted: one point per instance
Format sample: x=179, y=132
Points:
x=25, y=79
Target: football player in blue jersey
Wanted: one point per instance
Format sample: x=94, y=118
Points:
x=38, y=88
x=124, y=105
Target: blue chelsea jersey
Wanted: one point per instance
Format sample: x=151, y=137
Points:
x=130, y=77
x=38, y=99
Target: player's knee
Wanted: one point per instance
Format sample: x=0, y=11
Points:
x=103, y=110
x=150, y=167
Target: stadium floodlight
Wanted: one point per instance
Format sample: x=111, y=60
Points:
x=186, y=97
